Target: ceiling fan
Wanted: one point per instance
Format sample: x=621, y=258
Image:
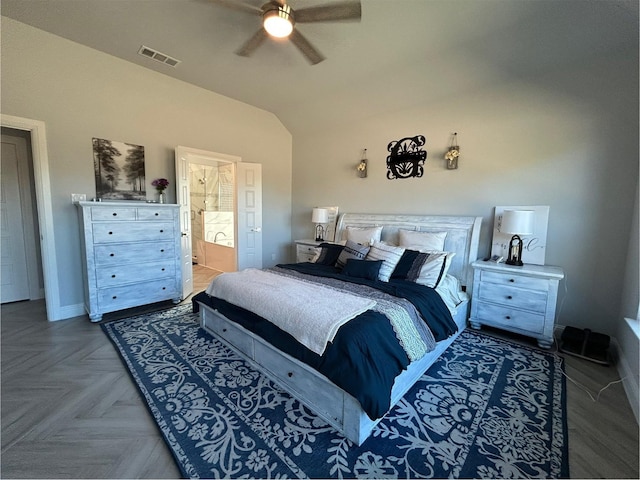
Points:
x=279, y=21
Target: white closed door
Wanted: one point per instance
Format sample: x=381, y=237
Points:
x=13, y=264
x=249, y=215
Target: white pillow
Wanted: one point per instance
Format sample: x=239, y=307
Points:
x=364, y=235
x=422, y=240
x=390, y=256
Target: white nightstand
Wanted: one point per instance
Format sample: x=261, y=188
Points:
x=306, y=250
x=518, y=299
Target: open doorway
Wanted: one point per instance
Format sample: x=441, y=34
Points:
x=220, y=199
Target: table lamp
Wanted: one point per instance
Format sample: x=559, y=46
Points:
x=517, y=222
x=320, y=216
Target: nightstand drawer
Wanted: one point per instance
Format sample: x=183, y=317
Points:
x=306, y=253
x=510, y=318
x=534, y=300
x=514, y=280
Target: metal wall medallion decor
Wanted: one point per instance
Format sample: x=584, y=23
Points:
x=406, y=158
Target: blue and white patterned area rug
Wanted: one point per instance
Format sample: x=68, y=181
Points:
x=488, y=408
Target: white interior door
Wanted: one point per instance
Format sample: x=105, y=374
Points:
x=13, y=263
x=183, y=199
x=249, y=215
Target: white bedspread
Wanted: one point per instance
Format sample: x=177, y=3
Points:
x=312, y=314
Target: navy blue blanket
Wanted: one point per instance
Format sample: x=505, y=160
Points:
x=365, y=356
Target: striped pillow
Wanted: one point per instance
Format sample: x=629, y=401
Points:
x=390, y=256
x=352, y=250
x=425, y=268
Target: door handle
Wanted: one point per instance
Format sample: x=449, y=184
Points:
x=184, y=234
x=256, y=229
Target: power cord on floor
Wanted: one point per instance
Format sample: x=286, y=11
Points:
x=595, y=399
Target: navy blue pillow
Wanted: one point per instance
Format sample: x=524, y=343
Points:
x=368, y=269
x=329, y=253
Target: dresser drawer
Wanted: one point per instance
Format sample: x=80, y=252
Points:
x=113, y=213
x=300, y=380
x=514, y=280
x=108, y=276
x=534, y=300
x=121, y=254
x=125, y=296
x=510, y=318
x=128, y=231
x=155, y=214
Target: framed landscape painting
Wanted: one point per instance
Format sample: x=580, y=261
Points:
x=119, y=170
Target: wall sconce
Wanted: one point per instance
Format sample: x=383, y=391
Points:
x=362, y=166
x=320, y=216
x=518, y=222
x=453, y=153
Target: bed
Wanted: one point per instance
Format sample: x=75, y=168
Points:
x=297, y=373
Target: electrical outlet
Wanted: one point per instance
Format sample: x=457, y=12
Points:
x=78, y=197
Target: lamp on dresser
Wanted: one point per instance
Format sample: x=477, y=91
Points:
x=517, y=222
x=320, y=216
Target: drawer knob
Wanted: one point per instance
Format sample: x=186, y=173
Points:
x=110, y=233
x=512, y=280
x=161, y=231
x=162, y=250
x=156, y=214
x=113, y=276
x=112, y=254
x=162, y=270
x=115, y=214
x=114, y=297
x=224, y=330
x=289, y=374
x=509, y=297
x=164, y=288
x=508, y=317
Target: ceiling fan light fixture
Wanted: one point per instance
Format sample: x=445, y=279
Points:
x=278, y=21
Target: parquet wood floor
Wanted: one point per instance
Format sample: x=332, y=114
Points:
x=70, y=409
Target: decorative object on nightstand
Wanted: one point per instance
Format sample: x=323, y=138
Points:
x=453, y=152
x=518, y=299
x=362, y=166
x=517, y=222
x=320, y=216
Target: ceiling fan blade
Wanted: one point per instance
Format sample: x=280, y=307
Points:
x=236, y=5
x=253, y=43
x=349, y=10
x=308, y=50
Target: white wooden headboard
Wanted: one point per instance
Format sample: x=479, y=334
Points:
x=463, y=235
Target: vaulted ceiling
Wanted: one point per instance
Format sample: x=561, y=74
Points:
x=400, y=53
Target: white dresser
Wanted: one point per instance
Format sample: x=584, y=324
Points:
x=131, y=255
x=518, y=299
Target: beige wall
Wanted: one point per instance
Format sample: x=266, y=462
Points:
x=567, y=138
x=80, y=93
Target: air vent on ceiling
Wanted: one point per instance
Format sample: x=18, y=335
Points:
x=158, y=56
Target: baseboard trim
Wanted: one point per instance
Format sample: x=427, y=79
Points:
x=70, y=311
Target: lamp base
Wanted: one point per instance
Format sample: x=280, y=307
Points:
x=515, y=252
x=319, y=233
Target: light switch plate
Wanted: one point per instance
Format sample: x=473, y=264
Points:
x=78, y=197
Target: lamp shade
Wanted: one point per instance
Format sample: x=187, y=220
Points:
x=519, y=222
x=320, y=215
